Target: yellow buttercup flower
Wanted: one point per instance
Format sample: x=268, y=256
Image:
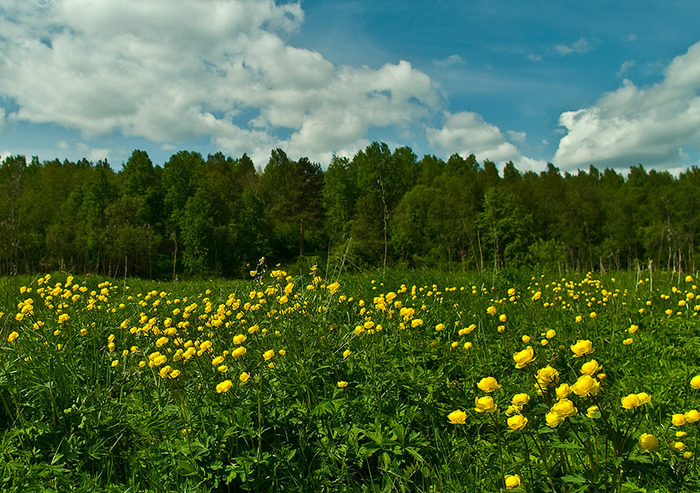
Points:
x=678, y=419
x=695, y=382
x=517, y=422
x=238, y=352
x=488, y=384
x=590, y=367
x=484, y=404
x=564, y=390
x=582, y=347
x=224, y=386
x=630, y=401
x=585, y=385
x=13, y=336
x=692, y=416
x=457, y=417
x=523, y=357
x=648, y=443
x=244, y=377
x=511, y=481
x=547, y=376
x=644, y=398
x=520, y=399
x=553, y=419
x=342, y=384
x=564, y=408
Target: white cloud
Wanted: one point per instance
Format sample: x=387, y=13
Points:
x=467, y=133
x=174, y=70
x=633, y=125
x=449, y=61
x=580, y=46
x=624, y=68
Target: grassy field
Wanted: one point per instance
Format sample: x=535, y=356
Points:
x=409, y=382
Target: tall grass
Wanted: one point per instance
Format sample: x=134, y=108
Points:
x=350, y=383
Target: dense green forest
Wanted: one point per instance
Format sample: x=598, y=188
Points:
x=217, y=216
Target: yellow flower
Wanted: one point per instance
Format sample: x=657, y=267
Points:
x=590, y=412
x=165, y=371
x=346, y=353
x=633, y=329
x=644, y=398
x=12, y=337
x=564, y=390
x=537, y=296
x=695, y=382
x=502, y=317
x=564, y=408
x=217, y=361
x=630, y=401
x=585, y=385
x=484, y=404
x=648, y=443
x=491, y=310
x=268, y=354
x=553, y=419
x=238, y=352
x=692, y=416
x=63, y=317
x=512, y=481
x=678, y=446
x=590, y=367
x=678, y=419
x=582, y=347
x=488, y=384
x=224, y=386
x=550, y=333
x=547, y=376
x=244, y=377
x=115, y=363
x=517, y=422
x=342, y=384
x=525, y=339
x=520, y=399
x=457, y=417
x=523, y=357
x=239, y=339
x=628, y=341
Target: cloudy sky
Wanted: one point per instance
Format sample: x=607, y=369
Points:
x=573, y=83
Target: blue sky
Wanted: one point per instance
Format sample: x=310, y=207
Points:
x=574, y=83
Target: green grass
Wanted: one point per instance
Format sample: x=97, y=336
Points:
x=88, y=405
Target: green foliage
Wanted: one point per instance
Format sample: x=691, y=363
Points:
x=348, y=386
x=197, y=217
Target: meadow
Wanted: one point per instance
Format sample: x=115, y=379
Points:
x=404, y=381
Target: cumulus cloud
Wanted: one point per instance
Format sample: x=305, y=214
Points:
x=649, y=125
x=174, y=70
x=467, y=133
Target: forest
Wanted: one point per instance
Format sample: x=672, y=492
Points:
x=216, y=217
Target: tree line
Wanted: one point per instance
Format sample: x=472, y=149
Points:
x=217, y=216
